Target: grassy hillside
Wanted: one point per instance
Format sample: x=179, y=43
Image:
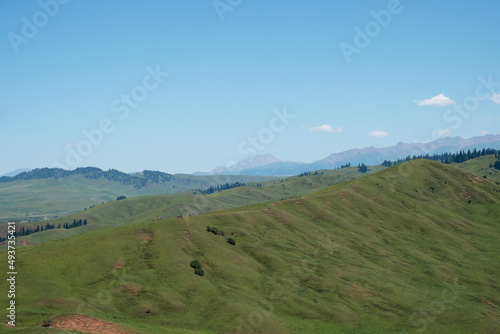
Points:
x=411, y=249
x=51, y=197
x=142, y=208
x=481, y=166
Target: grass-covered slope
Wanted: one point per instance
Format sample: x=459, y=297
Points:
x=143, y=208
x=481, y=166
x=413, y=248
x=45, y=194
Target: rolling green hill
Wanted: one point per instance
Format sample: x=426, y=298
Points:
x=410, y=249
x=134, y=209
x=49, y=193
x=481, y=166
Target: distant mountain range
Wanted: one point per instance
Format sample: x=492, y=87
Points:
x=270, y=165
x=137, y=180
x=16, y=172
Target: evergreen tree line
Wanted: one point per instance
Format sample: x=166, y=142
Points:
x=311, y=173
x=347, y=165
x=218, y=188
x=40, y=228
x=76, y=223
x=447, y=158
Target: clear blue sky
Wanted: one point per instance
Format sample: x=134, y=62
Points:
x=72, y=67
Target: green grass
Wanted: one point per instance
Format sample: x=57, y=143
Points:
x=481, y=166
x=398, y=251
x=45, y=199
x=116, y=213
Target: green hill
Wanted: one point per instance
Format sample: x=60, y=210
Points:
x=481, y=166
x=410, y=249
x=48, y=193
x=142, y=208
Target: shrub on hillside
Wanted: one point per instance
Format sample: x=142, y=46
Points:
x=195, y=264
x=231, y=241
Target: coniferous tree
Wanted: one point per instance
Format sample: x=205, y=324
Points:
x=362, y=168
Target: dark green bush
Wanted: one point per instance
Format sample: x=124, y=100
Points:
x=231, y=241
x=195, y=264
x=199, y=272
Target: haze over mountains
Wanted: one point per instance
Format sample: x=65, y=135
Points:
x=268, y=164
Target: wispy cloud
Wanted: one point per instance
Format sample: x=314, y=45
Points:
x=484, y=132
x=439, y=100
x=442, y=133
x=326, y=128
x=495, y=98
x=376, y=133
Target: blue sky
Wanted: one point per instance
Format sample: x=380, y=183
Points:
x=182, y=86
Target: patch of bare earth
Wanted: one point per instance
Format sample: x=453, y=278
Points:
x=144, y=236
x=86, y=324
x=132, y=290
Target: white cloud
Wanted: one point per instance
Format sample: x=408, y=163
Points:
x=326, y=128
x=442, y=132
x=377, y=133
x=495, y=98
x=484, y=132
x=439, y=100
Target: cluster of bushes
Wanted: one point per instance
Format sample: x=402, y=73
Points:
x=216, y=231
x=121, y=197
x=196, y=265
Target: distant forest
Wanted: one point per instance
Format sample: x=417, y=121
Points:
x=218, y=188
x=448, y=158
x=138, y=181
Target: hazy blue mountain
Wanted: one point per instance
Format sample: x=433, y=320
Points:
x=368, y=155
x=16, y=172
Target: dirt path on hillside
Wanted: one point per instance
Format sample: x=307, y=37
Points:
x=86, y=324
